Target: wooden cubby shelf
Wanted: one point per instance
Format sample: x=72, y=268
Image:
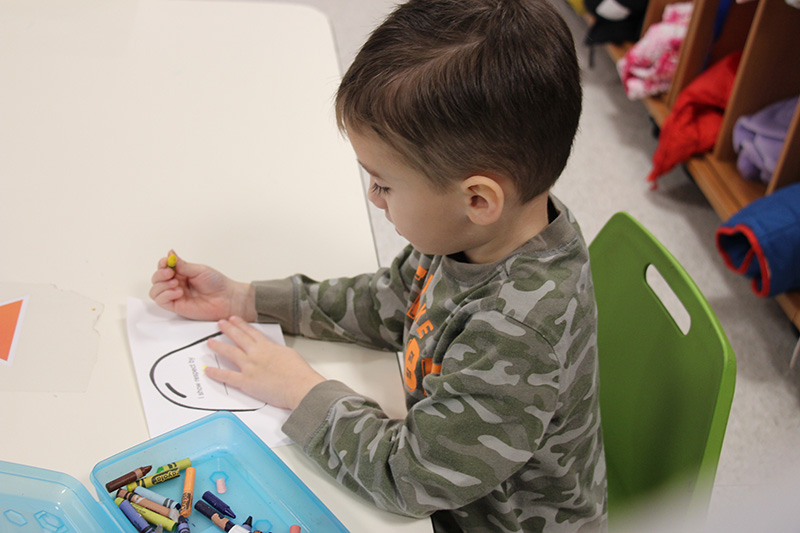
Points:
x=766, y=31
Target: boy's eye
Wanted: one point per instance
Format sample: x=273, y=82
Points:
x=377, y=189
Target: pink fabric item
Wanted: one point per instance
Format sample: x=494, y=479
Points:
x=648, y=67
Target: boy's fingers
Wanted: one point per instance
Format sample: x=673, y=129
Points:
x=231, y=353
x=254, y=333
x=163, y=296
x=229, y=377
x=240, y=332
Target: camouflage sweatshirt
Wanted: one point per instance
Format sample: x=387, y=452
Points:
x=503, y=428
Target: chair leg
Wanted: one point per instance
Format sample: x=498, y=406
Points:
x=795, y=355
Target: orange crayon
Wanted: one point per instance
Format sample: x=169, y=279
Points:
x=130, y=477
x=188, y=492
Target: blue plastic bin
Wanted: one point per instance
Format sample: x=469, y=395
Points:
x=258, y=484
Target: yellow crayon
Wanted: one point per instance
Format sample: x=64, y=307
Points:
x=152, y=516
x=155, y=479
x=172, y=260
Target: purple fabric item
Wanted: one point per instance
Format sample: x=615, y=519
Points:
x=758, y=139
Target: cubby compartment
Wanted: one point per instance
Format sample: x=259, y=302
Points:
x=766, y=31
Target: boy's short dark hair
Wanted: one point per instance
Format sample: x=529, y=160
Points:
x=465, y=87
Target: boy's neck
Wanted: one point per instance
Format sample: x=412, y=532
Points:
x=518, y=225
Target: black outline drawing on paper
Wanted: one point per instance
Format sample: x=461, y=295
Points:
x=178, y=377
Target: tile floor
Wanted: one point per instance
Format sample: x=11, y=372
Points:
x=606, y=174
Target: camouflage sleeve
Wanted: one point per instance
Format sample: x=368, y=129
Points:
x=482, y=419
x=368, y=309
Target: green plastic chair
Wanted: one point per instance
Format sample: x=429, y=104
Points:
x=665, y=395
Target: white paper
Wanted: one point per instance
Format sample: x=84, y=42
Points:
x=170, y=354
x=55, y=344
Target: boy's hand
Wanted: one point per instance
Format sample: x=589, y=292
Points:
x=200, y=292
x=268, y=371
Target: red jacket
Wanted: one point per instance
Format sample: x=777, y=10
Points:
x=694, y=122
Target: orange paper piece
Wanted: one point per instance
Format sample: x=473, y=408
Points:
x=10, y=320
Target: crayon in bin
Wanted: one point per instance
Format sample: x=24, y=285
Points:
x=150, y=516
x=158, y=498
x=132, y=497
x=134, y=517
x=155, y=479
x=218, y=520
x=218, y=504
x=183, y=464
x=130, y=477
x=188, y=492
x=183, y=525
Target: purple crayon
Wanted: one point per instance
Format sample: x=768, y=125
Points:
x=223, y=508
x=135, y=518
x=220, y=521
x=183, y=525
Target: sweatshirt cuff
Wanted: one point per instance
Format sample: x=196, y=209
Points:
x=307, y=419
x=275, y=303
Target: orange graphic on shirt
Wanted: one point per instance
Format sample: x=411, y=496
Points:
x=412, y=311
x=10, y=314
x=411, y=358
x=412, y=355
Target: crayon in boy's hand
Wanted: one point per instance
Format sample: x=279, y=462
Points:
x=188, y=492
x=172, y=260
x=130, y=477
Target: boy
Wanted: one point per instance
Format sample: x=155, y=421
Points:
x=463, y=112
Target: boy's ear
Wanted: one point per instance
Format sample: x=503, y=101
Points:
x=485, y=199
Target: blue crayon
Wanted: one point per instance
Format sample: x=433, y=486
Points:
x=219, y=505
x=156, y=497
x=183, y=525
x=135, y=518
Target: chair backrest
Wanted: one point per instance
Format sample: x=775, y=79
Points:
x=665, y=394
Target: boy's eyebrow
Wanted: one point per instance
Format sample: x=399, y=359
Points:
x=369, y=171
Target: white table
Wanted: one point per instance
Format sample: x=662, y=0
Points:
x=131, y=127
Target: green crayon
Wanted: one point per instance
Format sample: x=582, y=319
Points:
x=155, y=479
x=183, y=464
